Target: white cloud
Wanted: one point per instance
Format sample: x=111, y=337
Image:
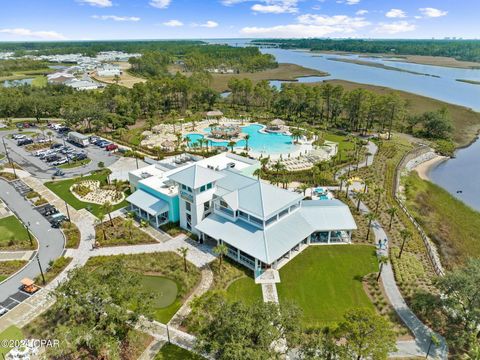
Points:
x=27, y=33
x=280, y=8
x=268, y=6
x=432, y=12
x=348, y=2
x=361, y=12
x=395, y=13
x=97, y=3
x=160, y=4
x=311, y=25
x=173, y=23
x=116, y=18
x=209, y=24
x=394, y=27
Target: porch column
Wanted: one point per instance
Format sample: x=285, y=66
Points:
x=156, y=220
x=238, y=255
x=256, y=265
x=309, y=239
x=329, y=237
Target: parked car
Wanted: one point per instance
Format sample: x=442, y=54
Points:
x=56, y=146
x=18, y=136
x=111, y=147
x=47, y=210
x=94, y=139
x=28, y=285
x=60, y=161
x=79, y=157
x=52, y=158
x=25, y=141
x=3, y=311
x=58, y=173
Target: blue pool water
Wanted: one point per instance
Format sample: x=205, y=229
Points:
x=260, y=142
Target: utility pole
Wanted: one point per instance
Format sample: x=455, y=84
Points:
x=136, y=158
x=8, y=158
x=41, y=270
x=168, y=334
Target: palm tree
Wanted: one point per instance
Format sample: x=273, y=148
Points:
x=278, y=166
x=264, y=162
x=370, y=217
x=347, y=185
x=391, y=211
x=304, y=187
x=366, y=185
x=179, y=139
x=99, y=222
x=379, y=191
x=247, y=137
x=184, y=251
x=220, y=250
x=258, y=173
x=405, y=235
x=107, y=208
x=129, y=226
x=382, y=260
x=360, y=196
x=231, y=144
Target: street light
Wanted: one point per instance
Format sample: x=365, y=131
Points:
x=168, y=335
x=41, y=270
x=27, y=227
x=65, y=145
x=68, y=212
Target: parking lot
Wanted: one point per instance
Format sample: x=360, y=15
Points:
x=43, y=163
x=15, y=299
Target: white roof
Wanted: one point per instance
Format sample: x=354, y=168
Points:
x=147, y=202
x=274, y=241
x=263, y=200
x=196, y=176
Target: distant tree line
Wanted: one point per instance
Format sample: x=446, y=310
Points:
x=468, y=50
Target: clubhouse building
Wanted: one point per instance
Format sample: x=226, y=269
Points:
x=220, y=200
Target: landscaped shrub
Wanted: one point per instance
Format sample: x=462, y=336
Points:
x=81, y=190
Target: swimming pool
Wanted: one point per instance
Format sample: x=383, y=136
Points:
x=260, y=142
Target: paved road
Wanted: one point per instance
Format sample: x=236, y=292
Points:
x=41, y=169
x=51, y=240
x=372, y=149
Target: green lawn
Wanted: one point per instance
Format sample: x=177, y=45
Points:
x=245, y=289
x=13, y=235
x=325, y=281
x=343, y=143
x=62, y=190
x=166, y=301
x=74, y=164
x=174, y=352
x=10, y=333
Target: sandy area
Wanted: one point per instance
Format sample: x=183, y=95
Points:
x=424, y=168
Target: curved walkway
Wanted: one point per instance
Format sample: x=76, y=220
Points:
x=421, y=332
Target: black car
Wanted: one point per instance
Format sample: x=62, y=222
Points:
x=52, y=158
x=79, y=157
x=24, y=142
x=56, y=146
x=47, y=210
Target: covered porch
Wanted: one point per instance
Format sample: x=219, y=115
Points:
x=149, y=208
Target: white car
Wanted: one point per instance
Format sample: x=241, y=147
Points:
x=3, y=311
x=18, y=136
x=60, y=162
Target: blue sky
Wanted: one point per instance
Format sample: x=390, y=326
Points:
x=167, y=19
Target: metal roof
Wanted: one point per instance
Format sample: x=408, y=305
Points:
x=274, y=241
x=148, y=203
x=196, y=176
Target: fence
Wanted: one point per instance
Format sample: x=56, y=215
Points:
x=429, y=245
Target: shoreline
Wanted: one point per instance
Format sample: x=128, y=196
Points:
x=423, y=170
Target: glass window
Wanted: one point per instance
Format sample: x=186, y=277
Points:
x=283, y=213
x=206, y=206
x=242, y=214
x=293, y=207
x=255, y=220
x=202, y=188
x=209, y=185
x=271, y=220
x=188, y=206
